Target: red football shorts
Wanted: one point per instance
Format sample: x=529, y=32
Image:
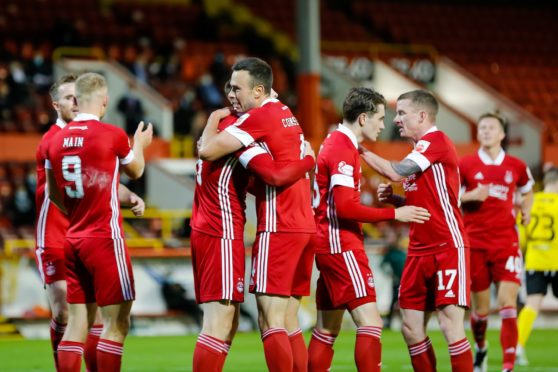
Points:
x=275, y=259
x=303, y=273
x=345, y=281
x=98, y=270
x=495, y=265
x=51, y=264
x=218, y=268
x=435, y=280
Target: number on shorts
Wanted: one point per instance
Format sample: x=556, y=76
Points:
x=450, y=274
x=71, y=171
x=513, y=264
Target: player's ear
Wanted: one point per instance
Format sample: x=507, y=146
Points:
x=362, y=119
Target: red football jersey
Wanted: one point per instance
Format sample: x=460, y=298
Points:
x=279, y=209
x=491, y=224
x=220, y=195
x=85, y=158
x=436, y=188
x=338, y=165
x=50, y=224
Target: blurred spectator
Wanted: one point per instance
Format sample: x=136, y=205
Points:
x=393, y=261
x=39, y=71
x=209, y=94
x=219, y=69
x=21, y=207
x=131, y=108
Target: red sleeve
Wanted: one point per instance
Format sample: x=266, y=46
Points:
x=276, y=174
x=349, y=208
x=248, y=128
x=525, y=180
x=122, y=146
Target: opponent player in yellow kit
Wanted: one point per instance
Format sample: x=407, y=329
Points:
x=541, y=261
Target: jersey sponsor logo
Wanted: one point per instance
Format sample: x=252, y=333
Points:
x=498, y=191
x=345, y=169
x=50, y=269
x=290, y=122
x=421, y=146
x=479, y=176
x=409, y=183
x=508, y=177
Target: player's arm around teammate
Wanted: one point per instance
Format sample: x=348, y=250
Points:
x=436, y=272
x=346, y=280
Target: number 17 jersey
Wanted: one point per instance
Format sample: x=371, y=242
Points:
x=85, y=159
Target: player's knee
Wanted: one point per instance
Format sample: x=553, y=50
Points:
x=413, y=333
x=60, y=314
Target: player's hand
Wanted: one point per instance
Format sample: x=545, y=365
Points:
x=385, y=192
x=308, y=150
x=144, y=137
x=138, y=205
x=410, y=213
x=525, y=218
x=222, y=113
x=480, y=193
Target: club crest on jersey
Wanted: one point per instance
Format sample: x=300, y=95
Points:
x=345, y=169
x=508, y=177
x=421, y=146
x=50, y=269
x=240, y=285
x=370, y=281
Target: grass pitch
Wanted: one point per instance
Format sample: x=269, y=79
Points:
x=175, y=353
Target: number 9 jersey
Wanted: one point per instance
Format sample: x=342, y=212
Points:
x=85, y=158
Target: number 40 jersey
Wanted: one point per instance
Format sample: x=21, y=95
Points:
x=85, y=158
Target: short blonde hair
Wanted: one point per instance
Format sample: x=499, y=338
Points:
x=88, y=85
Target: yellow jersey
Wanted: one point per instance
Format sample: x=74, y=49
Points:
x=542, y=233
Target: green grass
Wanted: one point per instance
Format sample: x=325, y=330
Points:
x=175, y=353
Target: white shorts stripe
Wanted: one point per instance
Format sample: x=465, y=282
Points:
x=227, y=269
x=356, y=275
x=263, y=252
x=453, y=226
x=333, y=226
x=118, y=241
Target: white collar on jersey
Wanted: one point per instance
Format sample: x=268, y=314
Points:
x=85, y=117
x=61, y=123
x=268, y=100
x=349, y=133
x=487, y=160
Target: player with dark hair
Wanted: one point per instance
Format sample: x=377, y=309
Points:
x=436, y=273
x=218, y=234
x=285, y=218
x=490, y=179
x=346, y=281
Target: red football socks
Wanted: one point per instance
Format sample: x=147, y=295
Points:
x=508, y=335
x=422, y=356
x=368, y=349
x=90, y=352
x=320, y=351
x=298, y=348
x=56, y=334
x=109, y=355
x=478, y=326
x=461, y=356
x=209, y=354
x=277, y=349
x=69, y=356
